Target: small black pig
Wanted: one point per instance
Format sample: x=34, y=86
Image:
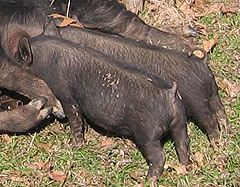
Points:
x=24, y=118
x=109, y=95
x=195, y=80
x=107, y=16
x=112, y=17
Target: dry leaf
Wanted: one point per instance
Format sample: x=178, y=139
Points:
x=108, y=144
x=200, y=3
x=135, y=176
x=44, y=146
x=7, y=138
x=199, y=158
x=227, y=9
x=56, y=16
x=66, y=21
x=79, y=25
x=209, y=44
x=57, y=176
x=201, y=8
x=57, y=128
x=214, y=8
x=181, y=170
x=231, y=88
x=221, y=163
x=46, y=166
x=186, y=9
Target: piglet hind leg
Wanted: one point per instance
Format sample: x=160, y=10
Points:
x=76, y=123
x=153, y=152
x=181, y=140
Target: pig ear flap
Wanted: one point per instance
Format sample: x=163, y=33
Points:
x=50, y=29
x=24, y=51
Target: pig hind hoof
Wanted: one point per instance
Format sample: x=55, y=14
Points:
x=38, y=103
x=58, y=113
x=153, y=181
x=215, y=143
x=44, y=113
x=77, y=143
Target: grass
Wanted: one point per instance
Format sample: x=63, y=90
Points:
x=122, y=164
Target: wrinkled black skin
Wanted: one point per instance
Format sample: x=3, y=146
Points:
x=195, y=80
x=112, y=96
x=112, y=17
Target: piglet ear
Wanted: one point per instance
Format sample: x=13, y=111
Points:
x=50, y=29
x=24, y=51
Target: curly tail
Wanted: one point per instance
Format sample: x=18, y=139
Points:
x=204, y=58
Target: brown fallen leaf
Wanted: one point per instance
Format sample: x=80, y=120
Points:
x=186, y=9
x=199, y=8
x=201, y=3
x=57, y=176
x=199, y=158
x=79, y=25
x=7, y=138
x=214, y=8
x=44, y=146
x=181, y=170
x=66, y=21
x=45, y=166
x=227, y=9
x=221, y=163
x=57, y=128
x=135, y=176
x=108, y=143
x=55, y=16
x=231, y=88
x=209, y=44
